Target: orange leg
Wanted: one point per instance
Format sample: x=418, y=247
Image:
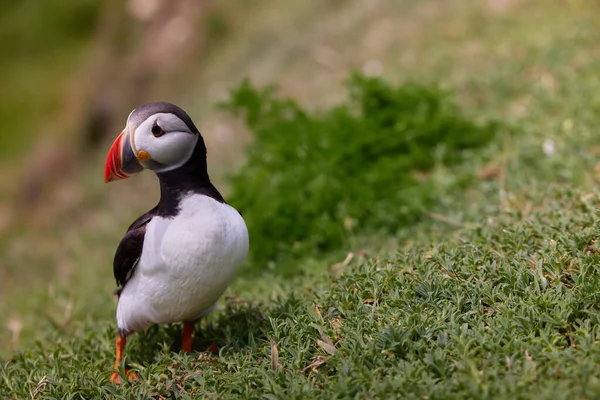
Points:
x=121, y=341
x=186, y=340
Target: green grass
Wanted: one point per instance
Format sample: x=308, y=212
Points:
x=507, y=309
x=357, y=167
x=493, y=294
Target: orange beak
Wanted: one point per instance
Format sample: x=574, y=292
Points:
x=121, y=162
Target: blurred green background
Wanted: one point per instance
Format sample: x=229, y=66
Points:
x=72, y=71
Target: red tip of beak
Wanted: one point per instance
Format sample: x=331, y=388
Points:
x=114, y=161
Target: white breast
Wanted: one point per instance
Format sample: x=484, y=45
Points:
x=186, y=264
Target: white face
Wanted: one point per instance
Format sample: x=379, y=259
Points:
x=166, y=139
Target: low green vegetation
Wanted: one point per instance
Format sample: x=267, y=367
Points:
x=505, y=307
x=508, y=309
x=487, y=286
x=311, y=179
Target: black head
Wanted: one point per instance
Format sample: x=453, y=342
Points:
x=161, y=137
x=158, y=136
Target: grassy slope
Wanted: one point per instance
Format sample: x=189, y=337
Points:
x=506, y=309
x=504, y=305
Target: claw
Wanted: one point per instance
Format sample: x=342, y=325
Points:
x=116, y=378
x=120, y=348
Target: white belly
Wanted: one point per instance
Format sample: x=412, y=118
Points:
x=186, y=264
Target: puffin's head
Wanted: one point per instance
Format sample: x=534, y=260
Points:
x=158, y=136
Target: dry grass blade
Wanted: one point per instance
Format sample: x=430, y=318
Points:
x=327, y=347
x=335, y=268
x=274, y=355
x=313, y=366
x=40, y=387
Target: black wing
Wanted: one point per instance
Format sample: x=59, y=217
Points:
x=130, y=249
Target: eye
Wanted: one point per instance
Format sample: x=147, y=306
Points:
x=157, y=131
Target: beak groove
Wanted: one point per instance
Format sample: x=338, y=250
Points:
x=120, y=161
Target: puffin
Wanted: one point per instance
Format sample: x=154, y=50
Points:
x=176, y=260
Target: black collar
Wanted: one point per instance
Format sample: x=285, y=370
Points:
x=190, y=178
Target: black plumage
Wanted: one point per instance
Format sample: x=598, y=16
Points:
x=192, y=177
x=130, y=249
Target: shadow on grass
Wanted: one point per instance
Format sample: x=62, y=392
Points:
x=240, y=326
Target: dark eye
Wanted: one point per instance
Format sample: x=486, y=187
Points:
x=157, y=131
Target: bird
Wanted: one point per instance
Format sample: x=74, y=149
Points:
x=176, y=260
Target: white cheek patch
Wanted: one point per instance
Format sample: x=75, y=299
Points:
x=173, y=149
